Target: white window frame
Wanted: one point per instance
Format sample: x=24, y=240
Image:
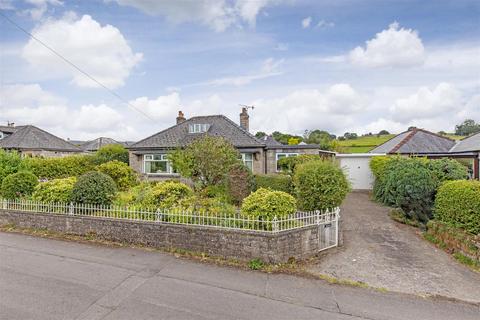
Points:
x=151, y=158
x=245, y=160
x=286, y=155
x=198, y=127
x=1, y=135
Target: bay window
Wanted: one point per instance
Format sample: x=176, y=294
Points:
x=157, y=164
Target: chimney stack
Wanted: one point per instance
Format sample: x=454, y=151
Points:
x=181, y=117
x=11, y=124
x=244, y=122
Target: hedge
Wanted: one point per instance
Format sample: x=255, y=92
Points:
x=447, y=170
x=278, y=182
x=458, y=204
x=320, y=185
x=265, y=204
x=18, y=185
x=124, y=176
x=54, y=168
x=94, y=188
x=288, y=164
x=10, y=162
x=57, y=190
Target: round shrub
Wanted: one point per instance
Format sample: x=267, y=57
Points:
x=447, y=169
x=57, y=190
x=167, y=195
x=239, y=183
x=320, y=185
x=18, y=185
x=278, y=182
x=458, y=204
x=266, y=204
x=411, y=186
x=94, y=188
x=124, y=176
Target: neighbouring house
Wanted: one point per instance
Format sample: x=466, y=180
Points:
x=468, y=148
x=32, y=141
x=7, y=130
x=149, y=156
x=94, y=145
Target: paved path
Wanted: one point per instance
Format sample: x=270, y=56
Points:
x=51, y=279
x=383, y=253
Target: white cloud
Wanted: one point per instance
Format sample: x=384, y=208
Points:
x=393, y=47
x=101, y=51
x=39, y=7
x=323, y=24
x=161, y=108
x=306, y=22
x=427, y=103
x=269, y=68
x=219, y=15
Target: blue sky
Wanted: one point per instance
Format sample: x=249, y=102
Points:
x=344, y=66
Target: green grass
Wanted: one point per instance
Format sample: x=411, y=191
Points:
x=363, y=144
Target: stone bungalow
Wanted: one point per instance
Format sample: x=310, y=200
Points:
x=32, y=141
x=149, y=156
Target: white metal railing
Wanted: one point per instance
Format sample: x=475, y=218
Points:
x=297, y=220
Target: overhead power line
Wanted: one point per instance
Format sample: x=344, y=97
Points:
x=73, y=65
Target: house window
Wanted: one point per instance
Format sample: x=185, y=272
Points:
x=198, y=127
x=1, y=135
x=247, y=159
x=157, y=163
x=284, y=155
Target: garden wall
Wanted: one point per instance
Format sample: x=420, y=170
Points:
x=228, y=243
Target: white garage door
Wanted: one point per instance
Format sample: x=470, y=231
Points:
x=357, y=168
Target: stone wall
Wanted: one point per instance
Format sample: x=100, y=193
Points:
x=226, y=243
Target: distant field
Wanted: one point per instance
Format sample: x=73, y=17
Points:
x=367, y=143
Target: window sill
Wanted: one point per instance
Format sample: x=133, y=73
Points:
x=162, y=174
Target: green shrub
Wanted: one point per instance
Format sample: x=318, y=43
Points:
x=320, y=185
x=288, y=164
x=18, y=185
x=458, y=204
x=265, y=204
x=378, y=165
x=205, y=206
x=94, y=188
x=124, y=176
x=134, y=197
x=10, y=162
x=167, y=195
x=239, y=183
x=55, y=168
x=57, y=190
x=410, y=186
x=447, y=169
x=111, y=152
x=278, y=182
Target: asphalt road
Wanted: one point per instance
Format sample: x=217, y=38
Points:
x=50, y=279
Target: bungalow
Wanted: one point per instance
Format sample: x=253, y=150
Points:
x=96, y=144
x=149, y=156
x=7, y=130
x=469, y=147
x=32, y=141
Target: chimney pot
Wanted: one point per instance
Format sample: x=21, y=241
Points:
x=244, y=119
x=181, y=117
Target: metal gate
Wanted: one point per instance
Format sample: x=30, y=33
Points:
x=328, y=229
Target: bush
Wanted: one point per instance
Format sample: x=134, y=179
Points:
x=205, y=206
x=134, y=197
x=18, y=185
x=288, y=164
x=55, y=168
x=239, y=183
x=265, y=204
x=94, y=188
x=124, y=176
x=410, y=186
x=278, y=182
x=447, y=169
x=378, y=165
x=111, y=152
x=10, y=162
x=458, y=204
x=320, y=185
x=57, y=190
x=167, y=195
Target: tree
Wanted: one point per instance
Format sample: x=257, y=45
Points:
x=206, y=161
x=320, y=137
x=111, y=152
x=466, y=128
x=260, y=134
x=284, y=137
x=293, y=141
x=383, y=132
x=350, y=136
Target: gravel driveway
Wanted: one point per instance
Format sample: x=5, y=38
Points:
x=382, y=253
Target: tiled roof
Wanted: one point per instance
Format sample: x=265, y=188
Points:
x=96, y=144
x=471, y=143
x=9, y=129
x=219, y=125
x=33, y=138
x=415, y=141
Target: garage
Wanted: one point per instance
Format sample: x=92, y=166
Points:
x=357, y=168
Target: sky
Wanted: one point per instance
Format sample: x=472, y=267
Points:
x=342, y=66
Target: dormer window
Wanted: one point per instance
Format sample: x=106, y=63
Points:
x=198, y=127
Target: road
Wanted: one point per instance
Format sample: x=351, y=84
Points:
x=51, y=279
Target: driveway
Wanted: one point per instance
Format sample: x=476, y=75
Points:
x=51, y=279
x=382, y=253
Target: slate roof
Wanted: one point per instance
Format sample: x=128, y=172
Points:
x=415, y=141
x=178, y=135
x=468, y=144
x=9, y=129
x=270, y=141
x=33, y=138
x=96, y=144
